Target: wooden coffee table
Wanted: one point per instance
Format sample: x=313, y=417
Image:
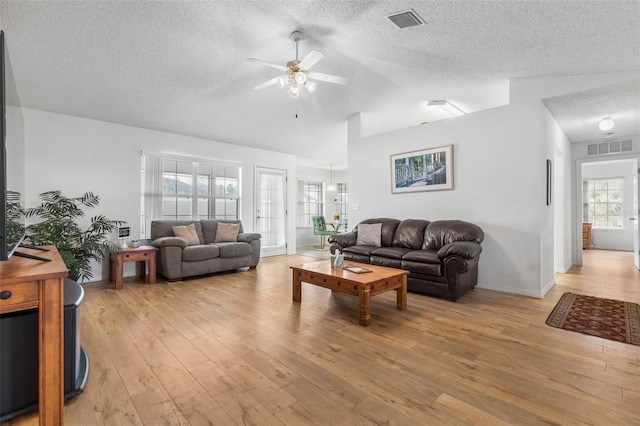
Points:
x=363, y=285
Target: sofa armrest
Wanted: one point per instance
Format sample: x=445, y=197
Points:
x=248, y=237
x=465, y=249
x=169, y=242
x=344, y=240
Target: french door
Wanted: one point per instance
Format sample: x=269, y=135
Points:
x=271, y=210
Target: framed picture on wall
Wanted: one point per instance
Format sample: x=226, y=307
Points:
x=425, y=170
x=549, y=181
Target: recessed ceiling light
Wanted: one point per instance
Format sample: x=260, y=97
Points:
x=606, y=124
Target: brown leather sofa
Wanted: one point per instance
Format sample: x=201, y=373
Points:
x=441, y=256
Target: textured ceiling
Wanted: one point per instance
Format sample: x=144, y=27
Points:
x=181, y=67
x=580, y=113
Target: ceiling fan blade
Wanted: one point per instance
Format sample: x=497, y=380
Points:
x=269, y=64
x=266, y=84
x=311, y=59
x=329, y=78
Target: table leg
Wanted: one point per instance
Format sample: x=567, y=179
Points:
x=118, y=272
x=364, y=302
x=111, y=268
x=297, y=287
x=152, y=268
x=141, y=265
x=401, y=294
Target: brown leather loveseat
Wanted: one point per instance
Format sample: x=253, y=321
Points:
x=441, y=256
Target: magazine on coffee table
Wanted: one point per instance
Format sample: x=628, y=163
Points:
x=356, y=269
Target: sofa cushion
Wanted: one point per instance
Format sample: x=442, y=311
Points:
x=227, y=232
x=410, y=234
x=187, y=233
x=234, y=249
x=354, y=257
x=360, y=250
x=369, y=234
x=162, y=228
x=385, y=261
x=439, y=233
x=210, y=228
x=423, y=256
x=388, y=229
x=200, y=252
x=390, y=252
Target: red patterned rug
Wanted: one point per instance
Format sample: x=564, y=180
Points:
x=607, y=318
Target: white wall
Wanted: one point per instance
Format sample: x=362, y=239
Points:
x=561, y=195
x=498, y=183
x=76, y=155
x=15, y=150
x=614, y=239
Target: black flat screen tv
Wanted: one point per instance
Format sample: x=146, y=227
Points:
x=12, y=175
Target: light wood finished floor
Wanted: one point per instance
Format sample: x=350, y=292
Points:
x=233, y=349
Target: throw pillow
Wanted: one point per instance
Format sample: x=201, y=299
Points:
x=227, y=232
x=187, y=233
x=369, y=234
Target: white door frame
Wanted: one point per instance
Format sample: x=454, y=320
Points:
x=257, y=197
x=577, y=240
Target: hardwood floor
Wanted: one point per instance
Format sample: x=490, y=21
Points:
x=233, y=349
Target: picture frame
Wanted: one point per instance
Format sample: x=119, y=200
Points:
x=549, y=181
x=424, y=170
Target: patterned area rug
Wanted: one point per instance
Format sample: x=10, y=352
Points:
x=607, y=318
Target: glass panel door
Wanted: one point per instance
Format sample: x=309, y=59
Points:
x=271, y=211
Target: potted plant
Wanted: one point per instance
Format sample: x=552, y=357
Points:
x=59, y=227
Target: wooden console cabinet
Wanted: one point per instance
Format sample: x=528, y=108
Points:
x=28, y=284
x=587, y=242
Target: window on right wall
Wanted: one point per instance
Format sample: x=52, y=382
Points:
x=310, y=202
x=603, y=202
x=342, y=202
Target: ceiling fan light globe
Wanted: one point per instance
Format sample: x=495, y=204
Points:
x=282, y=81
x=310, y=85
x=299, y=77
x=294, y=91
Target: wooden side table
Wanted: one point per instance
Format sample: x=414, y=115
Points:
x=141, y=255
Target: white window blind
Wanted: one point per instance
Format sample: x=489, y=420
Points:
x=184, y=188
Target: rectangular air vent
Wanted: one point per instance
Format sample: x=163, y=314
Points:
x=406, y=19
x=613, y=147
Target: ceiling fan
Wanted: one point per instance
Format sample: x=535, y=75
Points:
x=297, y=72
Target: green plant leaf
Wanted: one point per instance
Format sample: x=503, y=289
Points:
x=59, y=227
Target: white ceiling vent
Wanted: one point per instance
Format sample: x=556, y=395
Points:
x=613, y=147
x=406, y=19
